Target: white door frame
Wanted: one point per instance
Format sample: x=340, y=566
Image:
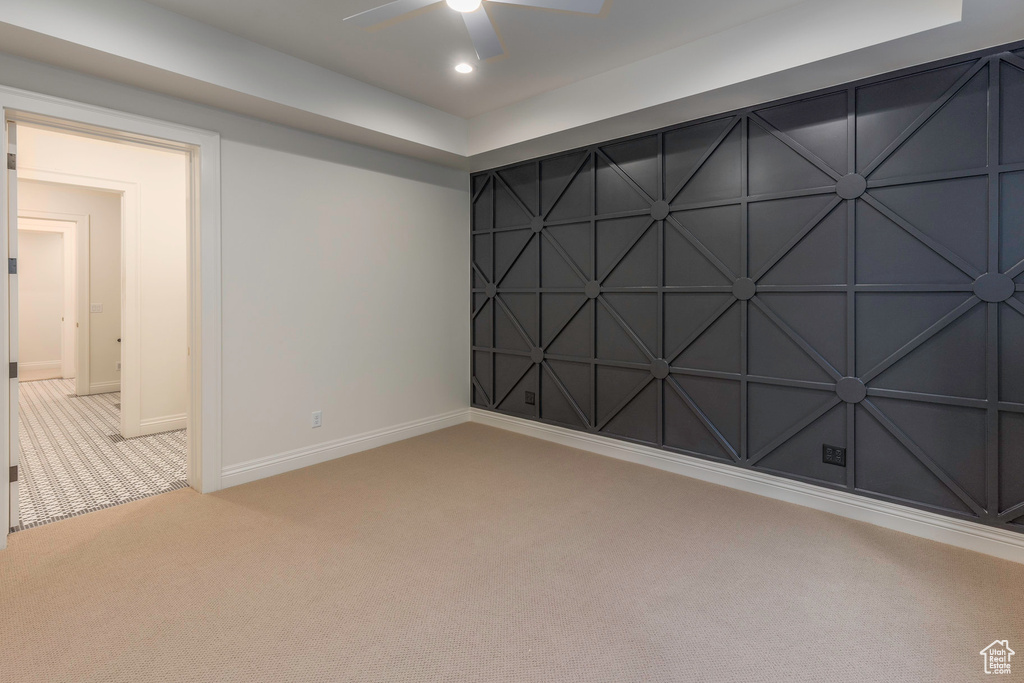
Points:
x=204, y=248
x=81, y=272
x=68, y=230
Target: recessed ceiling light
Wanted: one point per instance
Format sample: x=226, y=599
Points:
x=481, y=29
x=464, y=68
x=464, y=5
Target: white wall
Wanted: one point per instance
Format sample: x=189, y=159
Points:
x=161, y=178
x=340, y=294
x=40, y=302
x=344, y=275
x=104, y=212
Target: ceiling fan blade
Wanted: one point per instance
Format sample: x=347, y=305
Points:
x=392, y=10
x=581, y=6
x=485, y=38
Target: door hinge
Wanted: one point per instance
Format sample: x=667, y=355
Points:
x=14, y=473
x=12, y=162
x=12, y=266
x=14, y=370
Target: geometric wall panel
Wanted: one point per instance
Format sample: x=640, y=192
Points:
x=841, y=268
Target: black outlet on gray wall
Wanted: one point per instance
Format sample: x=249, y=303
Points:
x=833, y=455
x=844, y=267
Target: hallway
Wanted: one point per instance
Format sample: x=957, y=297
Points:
x=74, y=460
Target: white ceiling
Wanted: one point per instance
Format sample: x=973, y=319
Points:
x=414, y=57
x=569, y=80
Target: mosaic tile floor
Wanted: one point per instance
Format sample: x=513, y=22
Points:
x=74, y=460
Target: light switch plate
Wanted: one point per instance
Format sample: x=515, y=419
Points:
x=95, y=308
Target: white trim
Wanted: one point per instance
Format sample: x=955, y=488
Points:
x=203, y=148
x=318, y=453
x=1007, y=545
x=39, y=365
x=155, y=425
x=104, y=387
x=40, y=369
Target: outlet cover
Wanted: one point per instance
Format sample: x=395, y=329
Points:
x=531, y=398
x=95, y=308
x=833, y=455
x=318, y=418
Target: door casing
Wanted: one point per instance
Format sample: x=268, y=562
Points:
x=204, y=259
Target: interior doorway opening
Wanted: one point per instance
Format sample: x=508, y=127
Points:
x=99, y=322
x=202, y=150
x=48, y=297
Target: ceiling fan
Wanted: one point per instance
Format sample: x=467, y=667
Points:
x=481, y=29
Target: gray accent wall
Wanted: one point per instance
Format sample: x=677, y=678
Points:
x=842, y=269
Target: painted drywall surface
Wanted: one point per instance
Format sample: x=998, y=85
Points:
x=841, y=270
x=344, y=291
x=287, y=244
x=40, y=297
x=161, y=178
x=104, y=211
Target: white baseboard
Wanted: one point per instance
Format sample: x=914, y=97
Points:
x=104, y=387
x=1007, y=545
x=41, y=364
x=318, y=453
x=39, y=369
x=163, y=424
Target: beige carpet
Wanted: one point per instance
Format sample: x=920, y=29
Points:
x=474, y=554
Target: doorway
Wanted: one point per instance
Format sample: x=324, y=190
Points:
x=120, y=433
x=47, y=299
x=198, y=421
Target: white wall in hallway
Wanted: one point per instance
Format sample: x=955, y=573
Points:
x=104, y=211
x=161, y=178
x=40, y=302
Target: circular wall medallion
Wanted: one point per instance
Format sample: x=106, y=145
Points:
x=994, y=287
x=536, y=354
x=592, y=289
x=659, y=210
x=491, y=290
x=537, y=223
x=744, y=288
x=659, y=369
x=851, y=390
x=851, y=186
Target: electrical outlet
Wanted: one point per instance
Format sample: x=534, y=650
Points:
x=118, y=366
x=531, y=398
x=318, y=418
x=833, y=455
x=95, y=308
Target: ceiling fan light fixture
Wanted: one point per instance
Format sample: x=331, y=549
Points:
x=464, y=5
